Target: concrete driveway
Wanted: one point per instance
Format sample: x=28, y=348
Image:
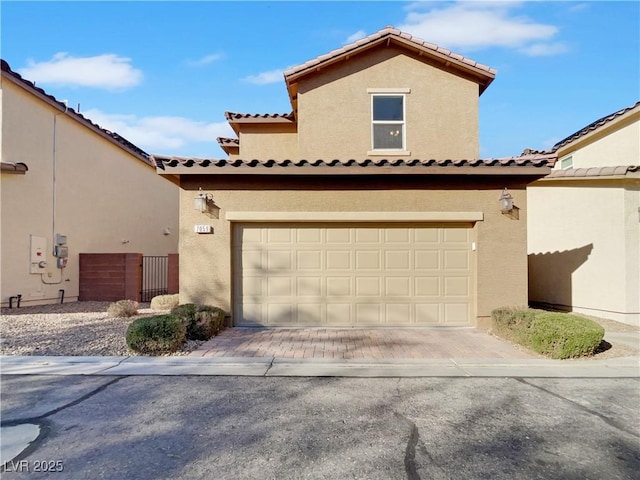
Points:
x=359, y=343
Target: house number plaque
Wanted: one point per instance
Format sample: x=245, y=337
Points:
x=203, y=229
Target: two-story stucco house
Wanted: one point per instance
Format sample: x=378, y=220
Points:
x=584, y=222
x=70, y=187
x=367, y=205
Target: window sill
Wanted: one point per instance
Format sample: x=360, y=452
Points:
x=388, y=153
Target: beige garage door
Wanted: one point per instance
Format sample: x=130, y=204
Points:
x=352, y=275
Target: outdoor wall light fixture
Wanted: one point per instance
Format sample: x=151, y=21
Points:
x=200, y=202
x=506, y=201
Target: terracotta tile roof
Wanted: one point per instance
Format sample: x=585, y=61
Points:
x=484, y=73
x=603, y=172
x=537, y=161
x=231, y=142
x=39, y=92
x=10, y=167
x=595, y=126
x=234, y=117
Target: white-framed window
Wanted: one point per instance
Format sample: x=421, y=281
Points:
x=388, y=120
x=566, y=162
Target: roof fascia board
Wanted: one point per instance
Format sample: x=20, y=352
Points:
x=358, y=170
x=482, y=77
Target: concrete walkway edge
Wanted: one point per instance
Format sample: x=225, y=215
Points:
x=619, y=367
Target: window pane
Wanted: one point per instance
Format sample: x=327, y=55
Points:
x=387, y=108
x=387, y=136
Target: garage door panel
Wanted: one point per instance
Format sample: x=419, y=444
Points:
x=368, y=314
x=309, y=260
x=339, y=314
x=339, y=286
x=309, y=235
x=309, y=286
x=455, y=312
x=368, y=235
x=427, y=286
x=456, y=260
x=368, y=286
x=397, y=260
x=427, y=259
x=427, y=313
x=397, y=287
x=456, y=286
x=323, y=274
x=339, y=260
x=279, y=260
x=308, y=313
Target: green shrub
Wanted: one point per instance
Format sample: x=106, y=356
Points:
x=559, y=335
x=556, y=335
x=201, y=321
x=208, y=322
x=123, y=309
x=513, y=323
x=156, y=335
x=165, y=302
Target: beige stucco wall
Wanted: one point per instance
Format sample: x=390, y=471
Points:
x=268, y=141
x=617, y=144
x=101, y=197
x=584, y=247
x=334, y=108
x=501, y=261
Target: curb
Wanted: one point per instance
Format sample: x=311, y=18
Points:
x=619, y=367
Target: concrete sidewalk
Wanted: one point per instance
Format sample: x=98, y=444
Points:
x=618, y=367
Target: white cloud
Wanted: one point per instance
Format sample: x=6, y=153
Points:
x=356, y=36
x=206, y=60
x=107, y=71
x=264, y=78
x=476, y=25
x=158, y=134
x=544, y=49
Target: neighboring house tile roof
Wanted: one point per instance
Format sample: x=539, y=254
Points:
x=39, y=92
x=601, y=122
x=482, y=74
x=496, y=166
x=595, y=172
x=18, y=168
x=235, y=118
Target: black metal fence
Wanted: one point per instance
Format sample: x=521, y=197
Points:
x=154, y=277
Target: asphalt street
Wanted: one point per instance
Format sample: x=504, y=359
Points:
x=200, y=427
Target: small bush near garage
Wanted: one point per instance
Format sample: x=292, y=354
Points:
x=165, y=302
x=201, y=321
x=556, y=335
x=123, y=309
x=156, y=335
x=560, y=335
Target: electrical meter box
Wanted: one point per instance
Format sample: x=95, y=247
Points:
x=61, y=252
x=61, y=239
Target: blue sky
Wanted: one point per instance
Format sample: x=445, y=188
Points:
x=162, y=74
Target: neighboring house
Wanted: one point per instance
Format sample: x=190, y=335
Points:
x=584, y=222
x=366, y=205
x=70, y=187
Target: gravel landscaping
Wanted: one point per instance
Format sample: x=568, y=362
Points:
x=69, y=329
x=84, y=328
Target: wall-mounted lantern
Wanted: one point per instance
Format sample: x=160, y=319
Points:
x=200, y=202
x=506, y=201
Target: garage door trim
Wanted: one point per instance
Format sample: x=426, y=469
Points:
x=354, y=217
